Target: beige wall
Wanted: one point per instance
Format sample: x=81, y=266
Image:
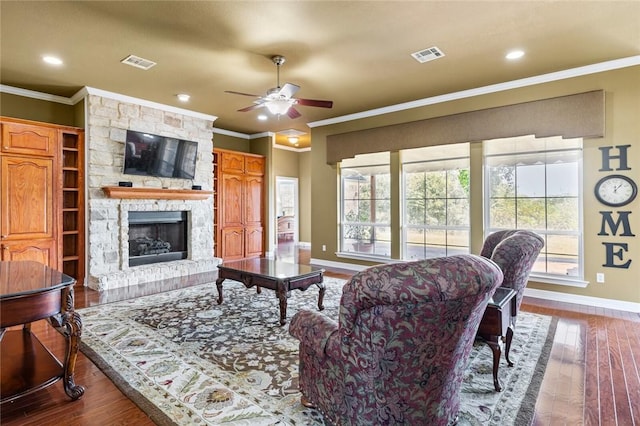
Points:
x=38, y=110
x=304, y=196
x=231, y=143
x=622, y=94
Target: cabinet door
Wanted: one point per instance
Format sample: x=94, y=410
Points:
x=232, y=244
x=42, y=251
x=254, y=165
x=26, y=139
x=253, y=241
x=253, y=201
x=27, y=198
x=232, y=163
x=231, y=200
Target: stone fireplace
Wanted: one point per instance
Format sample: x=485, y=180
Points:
x=114, y=218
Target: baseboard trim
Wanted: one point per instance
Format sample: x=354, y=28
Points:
x=620, y=305
x=338, y=265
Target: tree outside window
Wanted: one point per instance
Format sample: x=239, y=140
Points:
x=534, y=184
x=366, y=205
x=436, y=201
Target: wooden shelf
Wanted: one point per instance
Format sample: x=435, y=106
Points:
x=155, y=193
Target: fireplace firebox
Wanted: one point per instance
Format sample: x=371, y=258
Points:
x=159, y=236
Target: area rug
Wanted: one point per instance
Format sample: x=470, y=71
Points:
x=185, y=360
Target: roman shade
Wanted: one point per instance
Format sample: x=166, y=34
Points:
x=573, y=116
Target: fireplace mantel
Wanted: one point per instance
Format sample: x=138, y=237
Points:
x=155, y=193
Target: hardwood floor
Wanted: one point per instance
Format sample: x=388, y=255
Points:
x=592, y=378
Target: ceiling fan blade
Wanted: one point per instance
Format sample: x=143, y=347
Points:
x=293, y=113
x=314, y=103
x=288, y=90
x=240, y=93
x=251, y=107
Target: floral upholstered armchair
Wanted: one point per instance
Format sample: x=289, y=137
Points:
x=398, y=351
x=515, y=252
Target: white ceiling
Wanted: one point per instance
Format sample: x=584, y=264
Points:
x=356, y=53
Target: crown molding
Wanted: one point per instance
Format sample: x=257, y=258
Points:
x=143, y=102
x=35, y=95
x=493, y=88
x=219, y=131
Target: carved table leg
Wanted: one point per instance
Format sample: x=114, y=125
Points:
x=507, y=345
x=495, y=348
x=72, y=323
x=321, y=296
x=281, y=292
x=219, y=286
x=71, y=326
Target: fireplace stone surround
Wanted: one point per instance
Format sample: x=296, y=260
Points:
x=107, y=120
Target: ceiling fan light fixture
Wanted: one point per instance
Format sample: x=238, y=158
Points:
x=278, y=106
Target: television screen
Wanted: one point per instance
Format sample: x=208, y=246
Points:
x=153, y=155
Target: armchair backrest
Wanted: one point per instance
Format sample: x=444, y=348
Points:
x=405, y=332
x=515, y=252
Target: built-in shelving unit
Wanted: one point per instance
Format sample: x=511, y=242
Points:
x=72, y=203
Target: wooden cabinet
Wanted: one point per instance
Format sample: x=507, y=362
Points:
x=42, y=195
x=238, y=205
x=27, y=226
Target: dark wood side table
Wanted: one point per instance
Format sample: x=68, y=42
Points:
x=282, y=277
x=31, y=291
x=497, y=326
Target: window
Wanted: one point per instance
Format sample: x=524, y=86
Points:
x=366, y=204
x=435, y=201
x=535, y=184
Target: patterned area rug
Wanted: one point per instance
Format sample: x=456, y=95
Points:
x=186, y=360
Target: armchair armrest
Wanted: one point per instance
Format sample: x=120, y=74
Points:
x=313, y=330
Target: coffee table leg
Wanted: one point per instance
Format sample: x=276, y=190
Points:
x=281, y=292
x=321, y=296
x=219, y=285
x=495, y=348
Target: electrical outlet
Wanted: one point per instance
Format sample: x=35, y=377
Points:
x=599, y=277
x=324, y=247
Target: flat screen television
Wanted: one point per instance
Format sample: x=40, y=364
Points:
x=152, y=155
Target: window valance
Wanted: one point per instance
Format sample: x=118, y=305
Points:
x=574, y=116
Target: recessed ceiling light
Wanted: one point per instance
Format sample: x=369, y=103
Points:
x=262, y=117
x=52, y=60
x=515, y=54
x=183, y=97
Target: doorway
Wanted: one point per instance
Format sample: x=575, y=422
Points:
x=286, y=211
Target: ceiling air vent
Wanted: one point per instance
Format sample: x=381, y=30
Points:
x=138, y=62
x=427, y=55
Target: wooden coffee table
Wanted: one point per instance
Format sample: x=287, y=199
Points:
x=497, y=327
x=282, y=277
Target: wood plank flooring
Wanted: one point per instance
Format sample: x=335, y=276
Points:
x=592, y=378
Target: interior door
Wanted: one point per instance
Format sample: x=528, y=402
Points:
x=286, y=209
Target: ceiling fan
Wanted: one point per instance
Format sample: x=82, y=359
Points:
x=279, y=100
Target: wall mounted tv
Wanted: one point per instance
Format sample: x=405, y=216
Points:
x=152, y=155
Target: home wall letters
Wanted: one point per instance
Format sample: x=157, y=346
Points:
x=616, y=253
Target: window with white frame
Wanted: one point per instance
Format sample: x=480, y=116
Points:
x=365, y=205
x=435, y=201
x=535, y=184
